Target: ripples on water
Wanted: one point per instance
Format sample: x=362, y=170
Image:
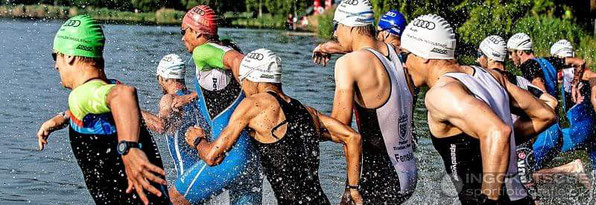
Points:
x=31, y=93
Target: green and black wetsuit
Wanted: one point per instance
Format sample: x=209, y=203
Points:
x=93, y=138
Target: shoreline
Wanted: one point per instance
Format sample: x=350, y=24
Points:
x=163, y=16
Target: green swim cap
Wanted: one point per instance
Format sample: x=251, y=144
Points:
x=80, y=36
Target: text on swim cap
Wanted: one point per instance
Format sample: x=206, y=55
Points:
x=72, y=23
x=391, y=14
x=424, y=24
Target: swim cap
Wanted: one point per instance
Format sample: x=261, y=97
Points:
x=393, y=21
x=520, y=42
x=261, y=65
x=171, y=66
x=562, y=48
x=430, y=37
x=494, y=48
x=80, y=36
x=202, y=19
x=354, y=13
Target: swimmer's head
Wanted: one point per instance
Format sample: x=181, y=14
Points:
x=78, y=45
x=520, y=44
x=390, y=27
x=353, y=17
x=426, y=39
x=562, y=49
x=199, y=26
x=259, y=66
x=492, y=48
x=171, y=68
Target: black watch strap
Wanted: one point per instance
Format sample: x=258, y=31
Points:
x=124, y=146
x=357, y=187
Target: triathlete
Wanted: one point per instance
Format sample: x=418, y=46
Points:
x=216, y=96
x=542, y=72
x=285, y=132
x=469, y=115
x=113, y=148
x=389, y=29
x=371, y=82
x=492, y=54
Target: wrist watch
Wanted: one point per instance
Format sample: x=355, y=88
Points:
x=356, y=187
x=124, y=146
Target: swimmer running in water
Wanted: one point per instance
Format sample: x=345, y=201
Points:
x=542, y=73
x=492, y=54
x=113, y=148
x=371, y=82
x=285, y=132
x=216, y=96
x=469, y=115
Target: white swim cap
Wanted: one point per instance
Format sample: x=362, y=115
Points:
x=520, y=42
x=171, y=66
x=354, y=13
x=562, y=49
x=494, y=48
x=430, y=37
x=261, y=65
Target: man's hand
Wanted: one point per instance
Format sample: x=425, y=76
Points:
x=351, y=196
x=56, y=123
x=181, y=101
x=140, y=172
x=319, y=56
x=192, y=134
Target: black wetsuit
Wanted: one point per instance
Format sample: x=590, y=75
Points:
x=463, y=163
x=291, y=164
x=103, y=168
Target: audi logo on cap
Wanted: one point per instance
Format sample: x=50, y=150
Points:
x=351, y=2
x=72, y=23
x=256, y=56
x=424, y=24
x=198, y=11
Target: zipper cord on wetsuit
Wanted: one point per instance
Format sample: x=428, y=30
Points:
x=276, y=127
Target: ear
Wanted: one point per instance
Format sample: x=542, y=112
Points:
x=425, y=61
x=70, y=59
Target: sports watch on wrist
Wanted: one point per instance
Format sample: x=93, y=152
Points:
x=124, y=146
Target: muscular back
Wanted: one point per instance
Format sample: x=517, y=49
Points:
x=372, y=82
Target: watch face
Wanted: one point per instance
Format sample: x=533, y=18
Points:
x=122, y=147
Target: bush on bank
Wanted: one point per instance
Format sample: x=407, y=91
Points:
x=41, y=11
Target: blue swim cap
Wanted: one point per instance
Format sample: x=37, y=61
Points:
x=393, y=21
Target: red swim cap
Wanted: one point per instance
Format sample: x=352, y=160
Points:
x=202, y=19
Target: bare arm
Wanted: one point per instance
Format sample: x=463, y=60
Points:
x=214, y=152
x=56, y=123
x=593, y=97
x=181, y=101
x=123, y=103
x=451, y=104
x=540, y=114
x=232, y=60
x=333, y=130
x=322, y=53
x=343, y=100
x=539, y=82
x=158, y=122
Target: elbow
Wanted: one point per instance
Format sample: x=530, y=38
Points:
x=355, y=140
x=212, y=160
x=549, y=116
x=499, y=138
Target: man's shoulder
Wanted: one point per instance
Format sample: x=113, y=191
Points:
x=355, y=61
x=530, y=64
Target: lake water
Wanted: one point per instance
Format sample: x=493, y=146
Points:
x=30, y=93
